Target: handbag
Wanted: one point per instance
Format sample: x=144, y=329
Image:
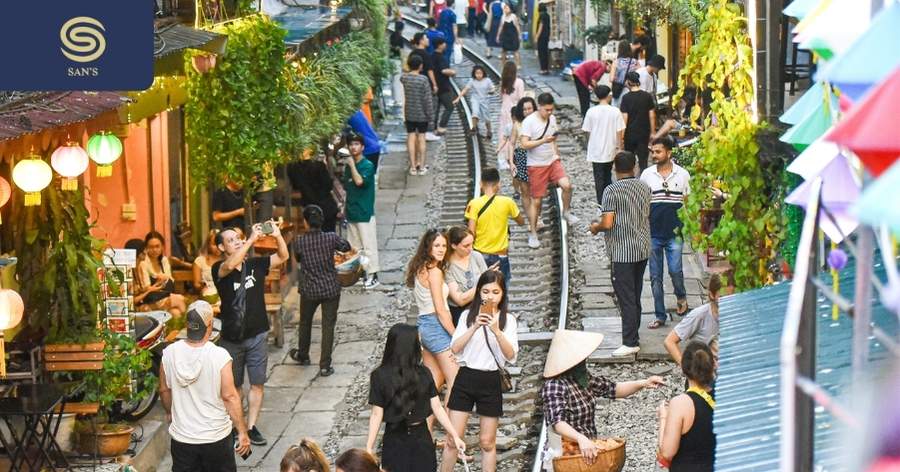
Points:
x=457, y=54
x=506, y=384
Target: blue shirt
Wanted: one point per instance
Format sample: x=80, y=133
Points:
x=361, y=126
x=446, y=24
x=432, y=35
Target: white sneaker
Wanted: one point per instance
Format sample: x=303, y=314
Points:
x=533, y=241
x=624, y=350
x=429, y=136
x=570, y=218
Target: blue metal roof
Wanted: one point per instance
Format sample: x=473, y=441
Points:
x=747, y=389
x=305, y=21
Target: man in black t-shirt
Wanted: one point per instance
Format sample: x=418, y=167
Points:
x=228, y=206
x=244, y=334
x=639, y=111
x=442, y=74
x=420, y=43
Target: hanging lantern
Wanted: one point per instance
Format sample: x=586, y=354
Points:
x=69, y=161
x=5, y=193
x=32, y=175
x=11, y=310
x=104, y=148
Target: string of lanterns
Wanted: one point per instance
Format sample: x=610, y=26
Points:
x=32, y=174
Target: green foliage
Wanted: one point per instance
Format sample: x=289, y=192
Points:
x=793, y=218
x=597, y=34
x=113, y=383
x=721, y=61
x=683, y=13
x=236, y=123
x=57, y=267
x=330, y=85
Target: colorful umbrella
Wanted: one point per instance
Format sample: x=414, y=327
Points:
x=840, y=190
x=878, y=204
x=800, y=8
x=870, y=58
x=870, y=128
x=834, y=30
x=814, y=159
x=807, y=103
x=814, y=125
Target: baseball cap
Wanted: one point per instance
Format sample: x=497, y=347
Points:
x=199, y=314
x=657, y=61
x=633, y=77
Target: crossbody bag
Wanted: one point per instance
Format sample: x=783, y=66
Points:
x=506, y=384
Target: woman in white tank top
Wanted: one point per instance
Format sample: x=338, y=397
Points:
x=425, y=275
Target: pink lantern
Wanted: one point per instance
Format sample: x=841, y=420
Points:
x=69, y=161
x=5, y=192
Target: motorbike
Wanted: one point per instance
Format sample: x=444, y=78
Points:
x=150, y=334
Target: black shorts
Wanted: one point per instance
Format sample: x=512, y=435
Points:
x=479, y=389
x=416, y=126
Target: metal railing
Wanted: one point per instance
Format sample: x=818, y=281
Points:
x=799, y=391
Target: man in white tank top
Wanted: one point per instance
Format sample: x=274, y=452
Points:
x=202, y=404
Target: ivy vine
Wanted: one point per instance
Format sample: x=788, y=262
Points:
x=683, y=13
x=750, y=229
x=235, y=116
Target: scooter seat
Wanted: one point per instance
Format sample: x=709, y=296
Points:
x=143, y=325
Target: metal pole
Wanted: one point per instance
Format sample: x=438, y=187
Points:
x=862, y=313
x=806, y=365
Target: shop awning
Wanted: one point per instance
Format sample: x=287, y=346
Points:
x=175, y=38
x=26, y=113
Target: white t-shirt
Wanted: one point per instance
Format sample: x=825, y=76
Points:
x=648, y=81
x=533, y=127
x=462, y=10
x=194, y=376
x=476, y=355
x=602, y=122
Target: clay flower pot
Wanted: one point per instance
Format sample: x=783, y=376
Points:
x=109, y=440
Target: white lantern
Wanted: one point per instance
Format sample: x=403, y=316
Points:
x=69, y=161
x=11, y=310
x=32, y=175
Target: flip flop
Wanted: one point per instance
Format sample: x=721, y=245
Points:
x=656, y=324
x=682, y=303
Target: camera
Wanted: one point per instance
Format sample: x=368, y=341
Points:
x=268, y=227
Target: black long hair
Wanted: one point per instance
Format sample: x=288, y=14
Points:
x=489, y=277
x=401, y=361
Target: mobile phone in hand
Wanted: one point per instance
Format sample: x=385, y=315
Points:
x=243, y=456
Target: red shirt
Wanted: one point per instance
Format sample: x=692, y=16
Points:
x=590, y=71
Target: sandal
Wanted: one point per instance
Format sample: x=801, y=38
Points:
x=683, y=308
x=656, y=324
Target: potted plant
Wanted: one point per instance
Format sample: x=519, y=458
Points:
x=110, y=386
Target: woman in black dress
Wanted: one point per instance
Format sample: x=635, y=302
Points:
x=543, y=38
x=402, y=394
x=509, y=35
x=687, y=442
x=312, y=179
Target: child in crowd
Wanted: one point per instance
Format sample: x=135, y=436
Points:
x=306, y=456
x=481, y=87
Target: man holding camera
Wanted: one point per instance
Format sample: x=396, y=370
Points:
x=359, y=183
x=240, y=281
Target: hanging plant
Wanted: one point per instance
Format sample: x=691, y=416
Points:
x=235, y=120
x=750, y=229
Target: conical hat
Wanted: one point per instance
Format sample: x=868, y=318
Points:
x=568, y=348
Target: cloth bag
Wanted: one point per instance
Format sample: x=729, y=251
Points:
x=457, y=54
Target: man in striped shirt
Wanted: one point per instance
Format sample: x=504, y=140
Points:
x=669, y=183
x=626, y=221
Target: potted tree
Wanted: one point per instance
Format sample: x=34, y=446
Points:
x=110, y=386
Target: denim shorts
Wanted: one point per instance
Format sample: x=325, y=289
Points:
x=432, y=334
x=252, y=354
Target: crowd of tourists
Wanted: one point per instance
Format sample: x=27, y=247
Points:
x=453, y=361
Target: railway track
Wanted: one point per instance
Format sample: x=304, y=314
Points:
x=539, y=290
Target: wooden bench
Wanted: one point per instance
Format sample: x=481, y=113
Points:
x=75, y=358
x=185, y=278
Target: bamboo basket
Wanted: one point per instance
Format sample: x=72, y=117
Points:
x=349, y=269
x=611, y=458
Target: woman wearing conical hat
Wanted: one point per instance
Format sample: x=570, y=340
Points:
x=571, y=392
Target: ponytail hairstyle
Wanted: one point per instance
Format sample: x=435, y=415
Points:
x=306, y=456
x=359, y=460
x=489, y=277
x=698, y=364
